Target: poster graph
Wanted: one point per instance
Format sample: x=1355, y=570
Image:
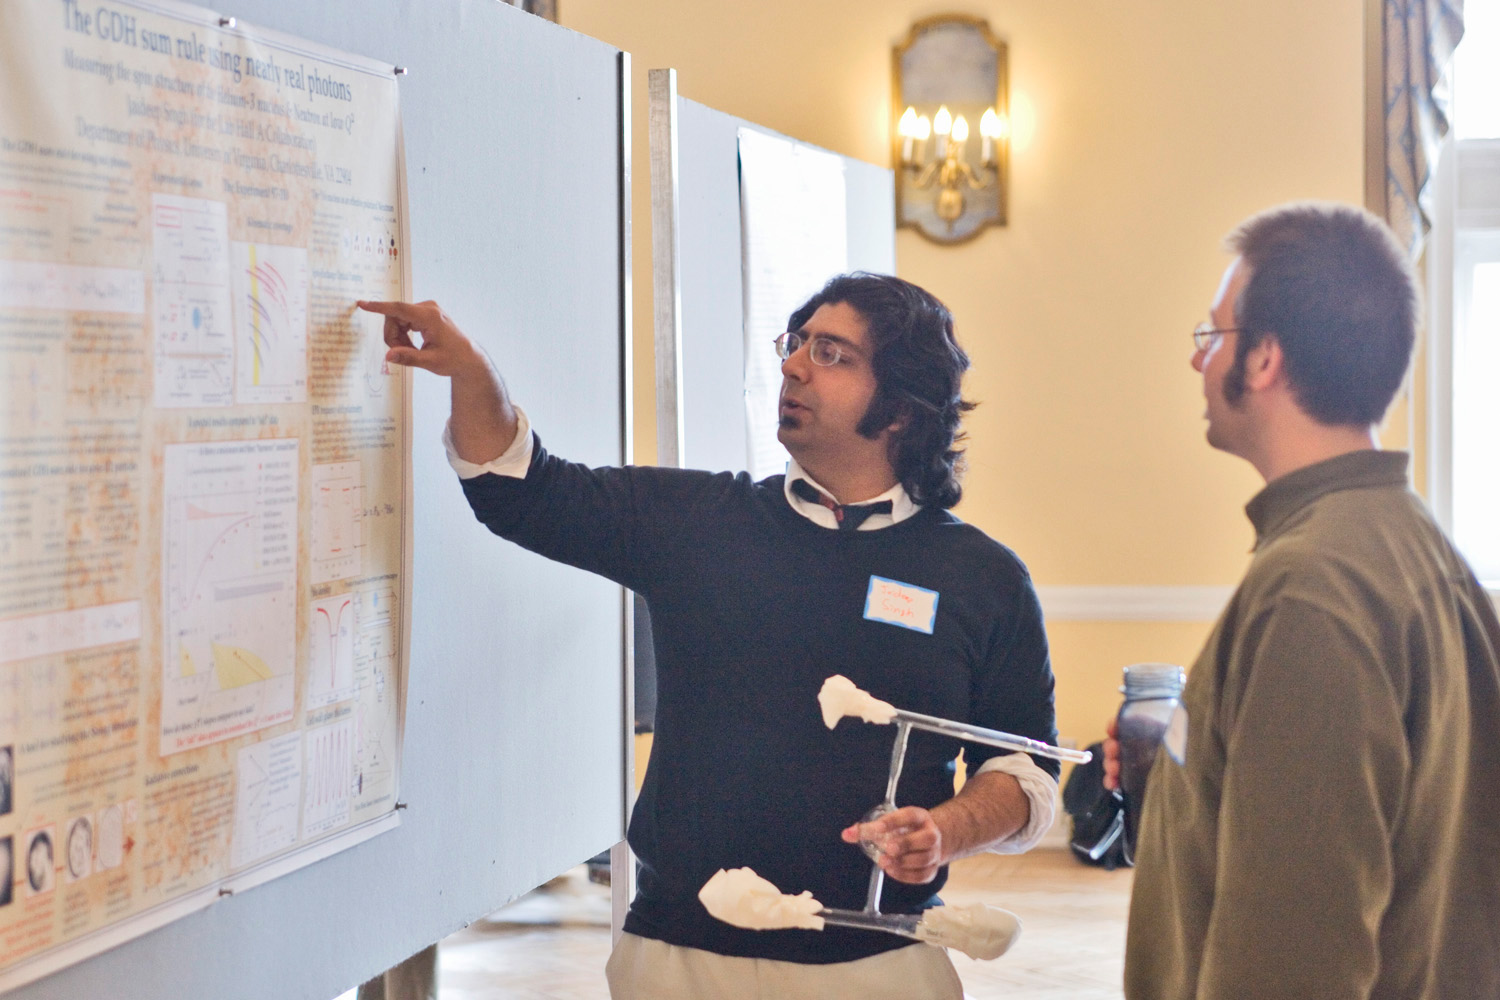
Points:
x=270, y=318
x=229, y=584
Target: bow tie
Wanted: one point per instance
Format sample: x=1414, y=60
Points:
x=848, y=516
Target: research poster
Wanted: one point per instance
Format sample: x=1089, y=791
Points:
x=204, y=533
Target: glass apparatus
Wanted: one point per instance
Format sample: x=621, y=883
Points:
x=1152, y=694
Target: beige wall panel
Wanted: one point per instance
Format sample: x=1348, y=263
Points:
x=1144, y=131
x=1088, y=658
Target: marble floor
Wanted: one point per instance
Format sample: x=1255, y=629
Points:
x=551, y=945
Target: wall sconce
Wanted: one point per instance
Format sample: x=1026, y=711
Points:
x=949, y=72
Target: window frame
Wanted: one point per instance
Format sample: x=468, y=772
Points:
x=1466, y=231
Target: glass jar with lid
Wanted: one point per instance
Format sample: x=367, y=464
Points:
x=1152, y=694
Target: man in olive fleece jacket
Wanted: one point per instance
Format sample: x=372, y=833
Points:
x=1330, y=827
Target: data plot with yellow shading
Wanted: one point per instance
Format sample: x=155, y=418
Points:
x=229, y=603
x=235, y=667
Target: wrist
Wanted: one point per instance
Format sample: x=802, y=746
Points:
x=472, y=365
x=951, y=820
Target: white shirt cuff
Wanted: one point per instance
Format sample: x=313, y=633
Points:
x=1040, y=789
x=513, y=463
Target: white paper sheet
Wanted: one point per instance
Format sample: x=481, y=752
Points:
x=792, y=217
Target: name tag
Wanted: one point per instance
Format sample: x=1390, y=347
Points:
x=1175, y=739
x=897, y=603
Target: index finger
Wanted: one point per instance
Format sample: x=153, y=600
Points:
x=403, y=311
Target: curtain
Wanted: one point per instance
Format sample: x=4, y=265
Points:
x=1420, y=36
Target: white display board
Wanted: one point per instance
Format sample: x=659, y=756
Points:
x=794, y=235
x=701, y=308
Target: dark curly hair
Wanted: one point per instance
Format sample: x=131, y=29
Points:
x=918, y=370
x=1334, y=287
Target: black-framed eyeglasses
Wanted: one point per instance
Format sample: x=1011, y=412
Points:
x=823, y=350
x=1204, y=334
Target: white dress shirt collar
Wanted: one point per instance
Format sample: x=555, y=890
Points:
x=901, y=503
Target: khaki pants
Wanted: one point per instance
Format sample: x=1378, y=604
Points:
x=647, y=969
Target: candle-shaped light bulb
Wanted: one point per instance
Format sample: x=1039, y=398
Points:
x=923, y=133
x=960, y=129
x=942, y=125
x=906, y=128
x=989, y=131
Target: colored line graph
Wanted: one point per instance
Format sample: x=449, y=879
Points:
x=270, y=314
x=330, y=676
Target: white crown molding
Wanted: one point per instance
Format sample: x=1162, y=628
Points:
x=1133, y=604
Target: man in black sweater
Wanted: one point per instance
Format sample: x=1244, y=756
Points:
x=849, y=564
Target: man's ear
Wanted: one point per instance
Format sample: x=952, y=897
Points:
x=900, y=420
x=1265, y=364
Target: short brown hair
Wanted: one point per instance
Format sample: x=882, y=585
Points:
x=1334, y=287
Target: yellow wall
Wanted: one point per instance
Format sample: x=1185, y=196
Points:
x=1145, y=130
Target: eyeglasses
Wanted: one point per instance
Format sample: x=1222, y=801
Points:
x=1204, y=334
x=823, y=350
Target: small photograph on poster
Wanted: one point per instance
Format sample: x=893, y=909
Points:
x=41, y=862
x=7, y=868
x=80, y=848
x=7, y=778
x=110, y=839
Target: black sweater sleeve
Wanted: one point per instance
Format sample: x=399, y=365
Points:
x=1013, y=691
x=622, y=523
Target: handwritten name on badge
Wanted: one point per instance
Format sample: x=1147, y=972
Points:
x=898, y=603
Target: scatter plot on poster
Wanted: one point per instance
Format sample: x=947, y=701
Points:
x=194, y=349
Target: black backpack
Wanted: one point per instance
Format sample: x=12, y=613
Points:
x=1100, y=836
